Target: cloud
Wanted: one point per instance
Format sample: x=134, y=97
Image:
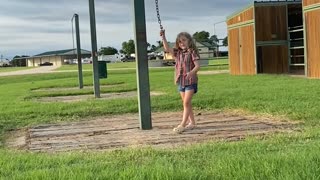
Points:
x=34, y=26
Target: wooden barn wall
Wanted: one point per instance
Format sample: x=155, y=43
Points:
x=312, y=42
x=274, y=59
x=234, y=50
x=247, y=47
x=310, y=2
x=271, y=20
x=246, y=15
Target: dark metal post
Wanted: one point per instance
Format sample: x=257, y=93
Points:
x=142, y=65
x=94, y=49
x=79, y=51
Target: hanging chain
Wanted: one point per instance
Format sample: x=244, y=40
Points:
x=158, y=14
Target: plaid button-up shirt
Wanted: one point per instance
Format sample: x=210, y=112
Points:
x=185, y=64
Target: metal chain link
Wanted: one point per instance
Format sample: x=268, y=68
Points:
x=158, y=14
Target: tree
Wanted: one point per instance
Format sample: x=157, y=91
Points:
x=128, y=47
x=108, y=51
x=214, y=41
x=202, y=36
x=153, y=48
x=160, y=44
x=19, y=61
x=225, y=41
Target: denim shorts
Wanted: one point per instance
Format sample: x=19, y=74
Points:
x=188, y=88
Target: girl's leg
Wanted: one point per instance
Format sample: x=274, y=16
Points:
x=191, y=115
x=187, y=108
x=182, y=96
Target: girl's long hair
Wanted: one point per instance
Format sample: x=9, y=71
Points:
x=191, y=46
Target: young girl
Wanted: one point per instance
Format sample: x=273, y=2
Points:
x=186, y=58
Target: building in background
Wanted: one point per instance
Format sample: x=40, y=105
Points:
x=56, y=58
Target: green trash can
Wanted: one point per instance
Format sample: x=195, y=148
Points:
x=102, y=69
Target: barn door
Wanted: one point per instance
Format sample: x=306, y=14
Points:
x=247, y=50
x=312, y=24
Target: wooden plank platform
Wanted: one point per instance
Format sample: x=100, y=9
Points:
x=123, y=131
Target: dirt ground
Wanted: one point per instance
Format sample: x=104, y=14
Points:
x=122, y=131
x=121, y=95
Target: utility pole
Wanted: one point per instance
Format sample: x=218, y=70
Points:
x=214, y=33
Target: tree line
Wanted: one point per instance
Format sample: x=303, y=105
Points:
x=128, y=47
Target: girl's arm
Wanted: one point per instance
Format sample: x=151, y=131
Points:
x=194, y=70
x=165, y=43
x=195, y=59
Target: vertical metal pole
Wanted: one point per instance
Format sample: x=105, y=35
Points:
x=94, y=49
x=142, y=65
x=305, y=42
x=79, y=51
x=288, y=39
x=214, y=33
x=255, y=40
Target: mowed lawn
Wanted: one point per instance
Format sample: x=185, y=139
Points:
x=289, y=156
x=220, y=63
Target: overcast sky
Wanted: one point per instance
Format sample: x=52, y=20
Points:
x=29, y=27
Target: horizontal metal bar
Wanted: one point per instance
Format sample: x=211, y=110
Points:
x=294, y=56
x=272, y=43
x=298, y=47
x=296, y=30
x=297, y=39
x=297, y=64
x=275, y=3
x=294, y=27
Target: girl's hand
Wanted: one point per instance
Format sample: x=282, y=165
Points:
x=190, y=75
x=162, y=33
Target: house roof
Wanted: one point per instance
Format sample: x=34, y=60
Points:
x=62, y=53
x=206, y=44
x=171, y=45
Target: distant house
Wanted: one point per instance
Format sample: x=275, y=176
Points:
x=111, y=58
x=205, y=49
x=4, y=62
x=56, y=58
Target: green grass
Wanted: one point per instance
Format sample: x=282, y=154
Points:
x=9, y=69
x=287, y=156
x=267, y=159
x=219, y=61
x=119, y=65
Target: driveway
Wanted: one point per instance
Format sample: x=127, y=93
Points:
x=37, y=70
